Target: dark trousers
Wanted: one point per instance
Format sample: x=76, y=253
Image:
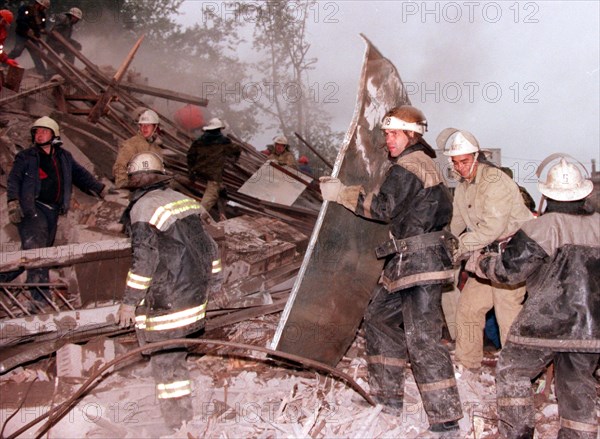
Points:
x=16, y=52
x=38, y=231
x=170, y=367
x=575, y=391
x=408, y=325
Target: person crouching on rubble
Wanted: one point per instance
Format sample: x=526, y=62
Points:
x=175, y=265
x=39, y=189
x=146, y=140
x=404, y=321
x=558, y=255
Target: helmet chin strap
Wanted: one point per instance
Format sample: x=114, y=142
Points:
x=475, y=156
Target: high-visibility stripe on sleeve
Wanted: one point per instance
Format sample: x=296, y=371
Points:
x=216, y=266
x=175, y=389
x=177, y=319
x=140, y=322
x=165, y=215
x=138, y=282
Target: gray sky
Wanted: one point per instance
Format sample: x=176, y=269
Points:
x=521, y=76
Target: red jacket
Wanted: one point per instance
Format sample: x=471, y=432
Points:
x=3, y=35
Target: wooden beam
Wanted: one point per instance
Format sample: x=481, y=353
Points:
x=105, y=98
x=163, y=93
x=31, y=91
x=64, y=254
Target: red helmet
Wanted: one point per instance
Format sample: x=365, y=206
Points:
x=7, y=16
x=303, y=159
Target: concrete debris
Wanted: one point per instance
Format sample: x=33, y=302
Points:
x=246, y=396
x=75, y=361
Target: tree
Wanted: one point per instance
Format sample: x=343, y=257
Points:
x=280, y=33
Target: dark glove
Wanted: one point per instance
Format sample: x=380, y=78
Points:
x=15, y=214
x=126, y=315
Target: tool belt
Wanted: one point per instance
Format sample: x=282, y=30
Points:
x=419, y=242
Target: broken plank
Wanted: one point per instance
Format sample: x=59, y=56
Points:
x=162, y=93
x=64, y=254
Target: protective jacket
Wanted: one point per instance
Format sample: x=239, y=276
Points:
x=24, y=182
x=208, y=155
x=487, y=209
x=558, y=255
x=285, y=158
x=64, y=26
x=3, y=35
x=129, y=148
x=415, y=202
x=173, y=263
x=30, y=21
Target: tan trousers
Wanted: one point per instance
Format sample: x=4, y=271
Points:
x=476, y=299
x=211, y=195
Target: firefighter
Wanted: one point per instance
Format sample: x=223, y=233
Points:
x=174, y=267
x=147, y=139
x=206, y=160
x=64, y=26
x=31, y=24
x=6, y=18
x=281, y=153
x=487, y=210
x=558, y=255
x=403, y=321
x=39, y=189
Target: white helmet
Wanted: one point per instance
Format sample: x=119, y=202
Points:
x=46, y=122
x=282, y=140
x=214, y=124
x=564, y=181
x=406, y=118
x=44, y=3
x=148, y=117
x=76, y=12
x=463, y=143
x=147, y=163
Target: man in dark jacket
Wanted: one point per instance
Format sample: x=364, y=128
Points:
x=64, y=26
x=31, y=23
x=558, y=255
x=174, y=267
x=404, y=319
x=39, y=190
x=206, y=159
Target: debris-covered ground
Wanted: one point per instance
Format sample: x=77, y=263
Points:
x=247, y=394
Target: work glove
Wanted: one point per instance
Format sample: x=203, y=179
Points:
x=126, y=315
x=11, y=62
x=330, y=188
x=15, y=214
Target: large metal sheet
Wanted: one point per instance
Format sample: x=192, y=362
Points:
x=270, y=184
x=340, y=270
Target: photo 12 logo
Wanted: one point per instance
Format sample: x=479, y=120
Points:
x=252, y=12
x=471, y=91
x=470, y=12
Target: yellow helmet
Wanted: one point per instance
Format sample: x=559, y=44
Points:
x=46, y=122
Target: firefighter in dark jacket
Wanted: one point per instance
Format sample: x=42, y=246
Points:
x=207, y=158
x=39, y=190
x=64, y=26
x=174, y=266
x=404, y=319
x=31, y=23
x=558, y=255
